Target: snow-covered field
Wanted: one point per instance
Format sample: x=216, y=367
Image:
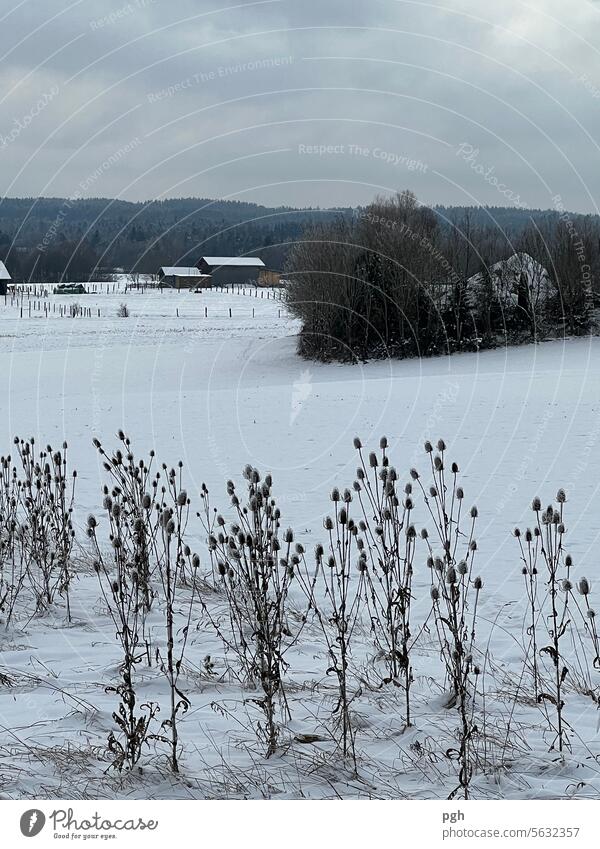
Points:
x=219, y=391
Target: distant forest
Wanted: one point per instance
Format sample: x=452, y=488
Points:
x=51, y=239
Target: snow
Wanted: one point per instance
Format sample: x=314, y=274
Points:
x=252, y=261
x=218, y=392
x=181, y=271
x=520, y=273
x=4, y=275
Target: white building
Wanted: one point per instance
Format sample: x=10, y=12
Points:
x=5, y=278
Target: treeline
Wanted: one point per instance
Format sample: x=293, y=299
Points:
x=57, y=239
x=401, y=279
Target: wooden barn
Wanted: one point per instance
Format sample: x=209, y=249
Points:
x=4, y=278
x=183, y=277
x=269, y=278
x=229, y=270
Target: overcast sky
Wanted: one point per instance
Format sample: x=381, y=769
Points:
x=302, y=102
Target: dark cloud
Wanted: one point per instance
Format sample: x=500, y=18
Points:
x=320, y=102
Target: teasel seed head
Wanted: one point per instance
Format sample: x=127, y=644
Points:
x=536, y=504
x=428, y=447
x=583, y=586
x=561, y=496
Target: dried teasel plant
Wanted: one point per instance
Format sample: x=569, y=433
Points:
x=123, y=595
x=13, y=573
x=148, y=515
x=455, y=594
x=335, y=591
x=45, y=494
x=255, y=569
x=386, y=546
x=559, y=606
x=544, y=549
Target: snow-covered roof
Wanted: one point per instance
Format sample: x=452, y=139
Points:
x=181, y=271
x=249, y=261
x=517, y=264
x=4, y=275
x=520, y=272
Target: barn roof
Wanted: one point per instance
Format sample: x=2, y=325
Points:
x=4, y=275
x=181, y=271
x=235, y=261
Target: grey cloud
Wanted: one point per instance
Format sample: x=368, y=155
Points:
x=223, y=100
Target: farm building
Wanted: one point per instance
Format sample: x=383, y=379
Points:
x=226, y=270
x=517, y=281
x=4, y=278
x=183, y=277
x=267, y=277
